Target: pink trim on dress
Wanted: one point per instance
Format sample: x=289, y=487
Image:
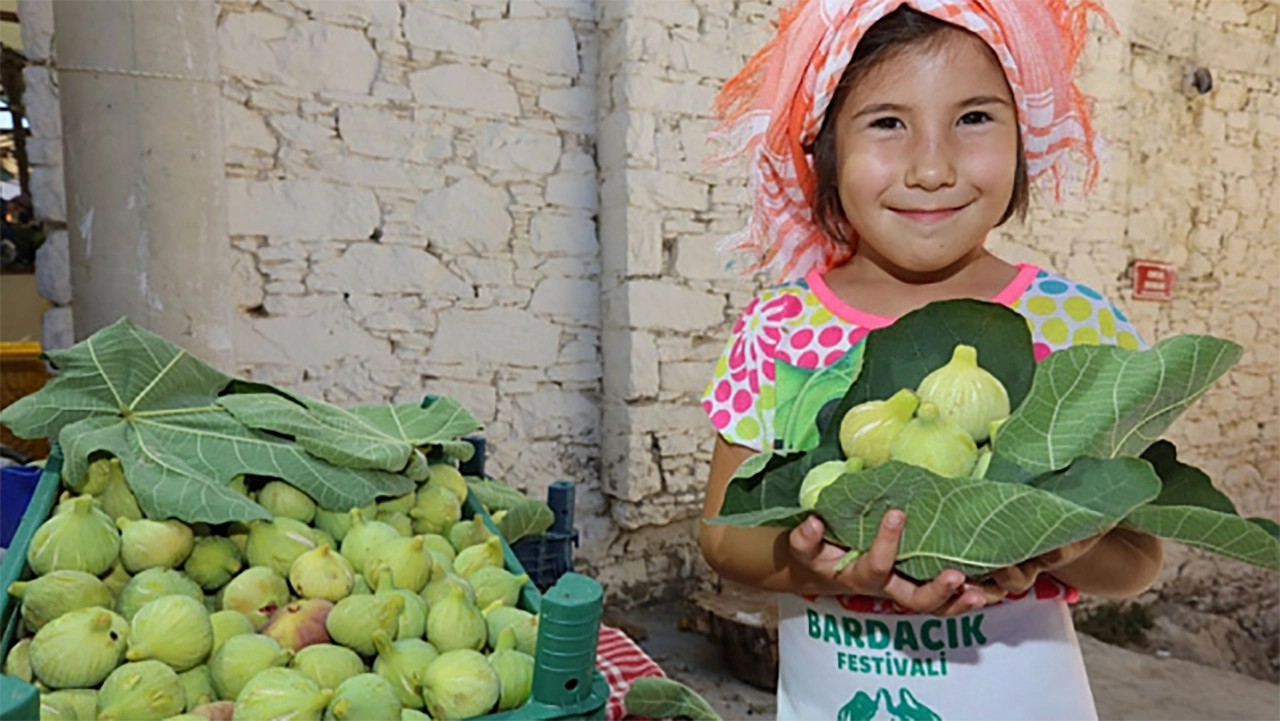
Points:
x=1007, y=296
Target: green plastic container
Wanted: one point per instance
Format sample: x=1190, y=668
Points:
x=566, y=683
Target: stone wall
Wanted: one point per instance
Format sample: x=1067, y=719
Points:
x=509, y=202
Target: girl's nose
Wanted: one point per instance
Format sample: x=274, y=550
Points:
x=930, y=165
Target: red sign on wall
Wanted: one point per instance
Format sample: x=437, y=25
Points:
x=1153, y=280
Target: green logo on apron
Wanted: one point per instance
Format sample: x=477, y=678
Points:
x=863, y=707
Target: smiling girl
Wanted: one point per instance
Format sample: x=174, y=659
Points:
x=887, y=140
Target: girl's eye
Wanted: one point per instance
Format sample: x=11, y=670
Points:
x=886, y=123
x=976, y=117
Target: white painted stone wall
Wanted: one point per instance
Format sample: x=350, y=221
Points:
x=507, y=201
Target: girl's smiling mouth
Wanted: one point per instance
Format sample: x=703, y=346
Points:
x=927, y=215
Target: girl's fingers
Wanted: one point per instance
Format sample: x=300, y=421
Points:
x=873, y=572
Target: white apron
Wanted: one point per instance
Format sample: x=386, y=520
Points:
x=1017, y=660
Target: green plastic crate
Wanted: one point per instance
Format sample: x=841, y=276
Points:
x=566, y=684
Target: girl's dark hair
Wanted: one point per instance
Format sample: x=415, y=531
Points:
x=890, y=34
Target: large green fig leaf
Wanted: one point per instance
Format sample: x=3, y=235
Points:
x=662, y=698
x=977, y=526
x=901, y=355
x=1189, y=510
x=1105, y=401
x=133, y=394
x=802, y=393
x=386, y=437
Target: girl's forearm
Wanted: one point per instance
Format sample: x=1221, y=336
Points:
x=1121, y=565
x=760, y=558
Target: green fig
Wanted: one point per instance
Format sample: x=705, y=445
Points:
x=141, y=691
x=364, y=696
x=328, y=664
x=337, y=523
x=354, y=619
x=17, y=663
x=443, y=475
x=966, y=395
x=284, y=501
x=823, y=475
x=81, y=702
x=402, y=663
x=117, y=499
x=152, y=584
x=525, y=625
x=197, y=686
x=868, y=429
x=46, y=597
x=364, y=536
x=436, y=510
x=256, y=592
x=514, y=669
x=226, y=624
x=214, y=560
x=496, y=584
x=276, y=544
x=455, y=623
x=397, y=504
x=460, y=684
x=282, y=693
x=78, y=537
x=240, y=658
x=413, y=618
x=399, y=521
x=933, y=443
x=152, y=632
x=471, y=532
x=406, y=558
x=153, y=544
x=476, y=557
x=322, y=573
x=79, y=648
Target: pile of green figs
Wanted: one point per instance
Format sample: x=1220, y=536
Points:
x=401, y=609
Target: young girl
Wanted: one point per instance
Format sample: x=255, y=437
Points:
x=888, y=139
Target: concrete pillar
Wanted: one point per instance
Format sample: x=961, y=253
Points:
x=146, y=198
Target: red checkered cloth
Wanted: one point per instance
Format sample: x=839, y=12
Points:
x=622, y=662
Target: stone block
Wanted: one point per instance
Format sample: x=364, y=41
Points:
x=380, y=15
x=568, y=233
x=379, y=268
x=514, y=147
x=307, y=57
x=300, y=209
x=493, y=336
x=57, y=328
x=323, y=336
x=669, y=305
x=48, y=193
x=576, y=102
x=571, y=301
x=244, y=128
x=465, y=87
x=550, y=413
x=40, y=101
x=379, y=132
x=426, y=28
x=575, y=191
x=547, y=45
x=656, y=189
x=247, y=286
x=36, y=27
x=696, y=258
x=53, y=268
x=469, y=215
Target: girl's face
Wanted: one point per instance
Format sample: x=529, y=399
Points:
x=926, y=154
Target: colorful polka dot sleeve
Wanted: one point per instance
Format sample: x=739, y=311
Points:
x=802, y=323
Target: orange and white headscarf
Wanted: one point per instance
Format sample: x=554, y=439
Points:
x=773, y=108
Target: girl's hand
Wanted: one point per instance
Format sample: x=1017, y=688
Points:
x=873, y=575
x=1021, y=577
